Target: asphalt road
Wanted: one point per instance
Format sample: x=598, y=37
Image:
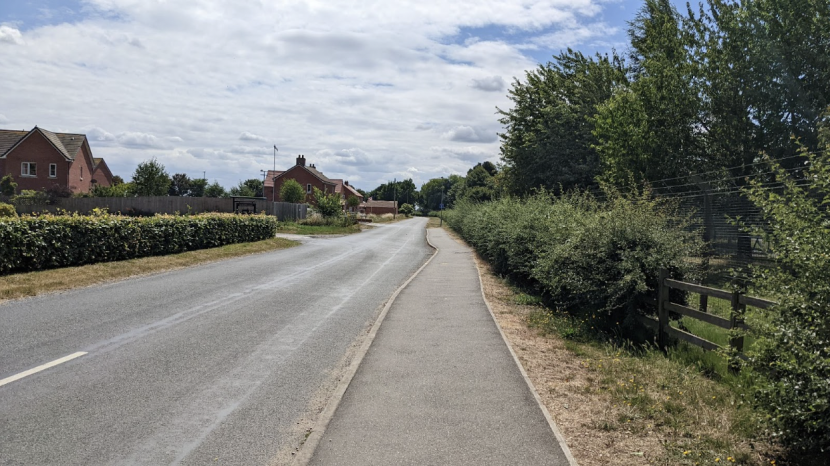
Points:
x=217, y=364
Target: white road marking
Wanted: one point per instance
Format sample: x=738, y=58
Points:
x=41, y=368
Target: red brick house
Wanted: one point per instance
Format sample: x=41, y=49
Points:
x=371, y=207
x=346, y=191
x=308, y=177
x=101, y=174
x=39, y=159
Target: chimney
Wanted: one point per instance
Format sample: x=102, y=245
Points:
x=346, y=182
x=301, y=161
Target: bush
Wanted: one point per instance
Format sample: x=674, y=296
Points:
x=794, y=350
x=7, y=210
x=407, y=210
x=34, y=243
x=328, y=204
x=595, y=260
x=29, y=197
x=292, y=192
x=7, y=185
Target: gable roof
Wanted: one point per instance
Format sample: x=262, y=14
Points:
x=345, y=189
x=98, y=164
x=269, y=177
x=313, y=171
x=68, y=144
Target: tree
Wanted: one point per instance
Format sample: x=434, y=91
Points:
x=116, y=180
x=251, y=188
x=431, y=192
x=328, y=204
x=649, y=129
x=150, y=179
x=291, y=191
x=353, y=202
x=215, y=190
x=403, y=191
x=7, y=185
x=406, y=210
x=548, y=139
x=197, y=187
x=179, y=185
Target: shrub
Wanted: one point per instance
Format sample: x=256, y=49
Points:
x=596, y=260
x=7, y=210
x=7, y=185
x=29, y=197
x=291, y=191
x=34, y=243
x=407, y=210
x=794, y=350
x=327, y=204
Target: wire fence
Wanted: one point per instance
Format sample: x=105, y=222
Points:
x=721, y=213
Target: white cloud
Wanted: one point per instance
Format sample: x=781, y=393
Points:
x=10, y=35
x=367, y=89
x=469, y=134
x=141, y=141
x=246, y=136
x=490, y=84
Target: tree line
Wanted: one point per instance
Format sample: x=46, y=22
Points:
x=708, y=89
x=151, y=179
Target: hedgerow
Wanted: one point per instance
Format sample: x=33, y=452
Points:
x=597, y=260
x=45, y=242
x=794, y=347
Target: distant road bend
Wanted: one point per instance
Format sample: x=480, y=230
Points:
x=217, y=364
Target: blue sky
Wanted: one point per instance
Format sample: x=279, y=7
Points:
x=368, y=90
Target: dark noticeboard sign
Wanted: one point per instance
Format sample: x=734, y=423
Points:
x=245, y=205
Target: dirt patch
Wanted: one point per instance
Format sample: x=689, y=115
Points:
x=563, y=383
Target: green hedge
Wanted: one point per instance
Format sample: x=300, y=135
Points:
x=45, y=242
x=595, y=260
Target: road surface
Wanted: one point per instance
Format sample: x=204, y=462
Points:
x=225, y=363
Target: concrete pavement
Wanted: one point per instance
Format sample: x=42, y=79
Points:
x=438, y=384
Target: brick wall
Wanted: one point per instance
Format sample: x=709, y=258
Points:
x=39, y=150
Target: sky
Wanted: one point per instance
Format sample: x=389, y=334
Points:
x=369, y=91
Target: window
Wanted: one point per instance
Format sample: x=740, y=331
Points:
x=53, y=170
x=82, y=173
x=28, y=169
x=308, y=188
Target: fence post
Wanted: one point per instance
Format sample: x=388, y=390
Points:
x=662, y=312
x=736, y=318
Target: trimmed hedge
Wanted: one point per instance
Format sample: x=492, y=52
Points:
x=46, y=242
x=595, y=260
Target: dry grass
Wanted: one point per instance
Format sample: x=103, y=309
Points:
x=618, y=406
x=34, y=283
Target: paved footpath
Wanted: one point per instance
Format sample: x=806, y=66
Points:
x=438, y=384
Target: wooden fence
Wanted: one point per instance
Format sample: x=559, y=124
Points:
x=149, y=205
x=738, y=300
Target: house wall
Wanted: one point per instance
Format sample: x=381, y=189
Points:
x=80, y=171
x=101, y=176
x=39, y=150
x=304, y=178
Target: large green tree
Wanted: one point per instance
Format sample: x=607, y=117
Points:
x=649, y=128
x=548, y=139
x=179, y=185
x=150, y=179
x=251, y=188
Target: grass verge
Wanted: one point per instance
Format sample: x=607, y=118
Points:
x=302, y=229
x=22, y=285
x=627, y=405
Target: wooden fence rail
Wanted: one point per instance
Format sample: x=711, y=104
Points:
x=738, y=300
